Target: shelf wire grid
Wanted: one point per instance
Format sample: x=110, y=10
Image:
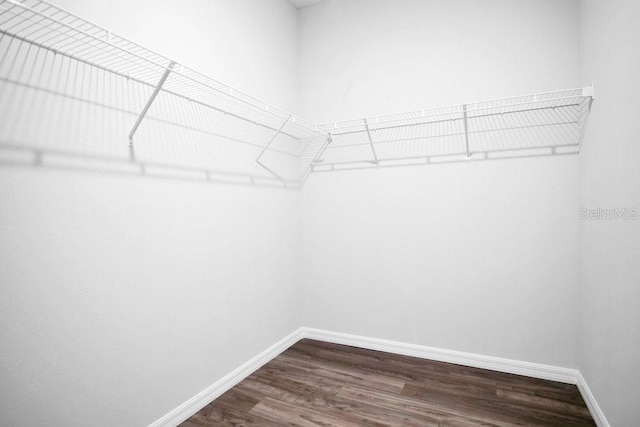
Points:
x=69, y=86
x=538, y=124
x=47, y=25
x=58, y=58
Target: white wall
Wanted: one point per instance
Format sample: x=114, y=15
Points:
x=375, y=57
x=474, y=257
x=610, y=178
x=122, y=297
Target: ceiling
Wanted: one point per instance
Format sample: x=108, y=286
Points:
x=299, y=4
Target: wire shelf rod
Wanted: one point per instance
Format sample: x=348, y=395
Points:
x=452, y=119
x=460, y=112
x=417, y=114
x=583, y=92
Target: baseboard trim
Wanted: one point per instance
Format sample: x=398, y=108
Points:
x=590, y=400
x=535, y=370
x=546, y=372
x=200, y=400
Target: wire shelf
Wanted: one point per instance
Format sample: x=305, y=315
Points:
x=538, y=124
x=71, y=88
x=46, y=25
x=69, y=60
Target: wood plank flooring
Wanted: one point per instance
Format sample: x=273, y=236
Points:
x=315, y=383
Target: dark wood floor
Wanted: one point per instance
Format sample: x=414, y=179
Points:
x=315, y=383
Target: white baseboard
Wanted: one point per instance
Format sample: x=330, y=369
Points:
x=535, y=370
x=215, y=390
x=590, y=400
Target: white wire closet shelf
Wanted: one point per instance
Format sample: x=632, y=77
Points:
x=549, y=123
x=71, y=89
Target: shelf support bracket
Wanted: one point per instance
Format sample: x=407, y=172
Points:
x=587, y=92
x=316, y=159
x=273, y=138
x=266, y=147
x=373, y=150
x=466, y=131
x=163, y=79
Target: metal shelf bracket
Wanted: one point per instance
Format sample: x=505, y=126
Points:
x=163, y=79
x=466, y=132
x=373, y=150
x=589, y=91
x=266, y=147
x=317, y=157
